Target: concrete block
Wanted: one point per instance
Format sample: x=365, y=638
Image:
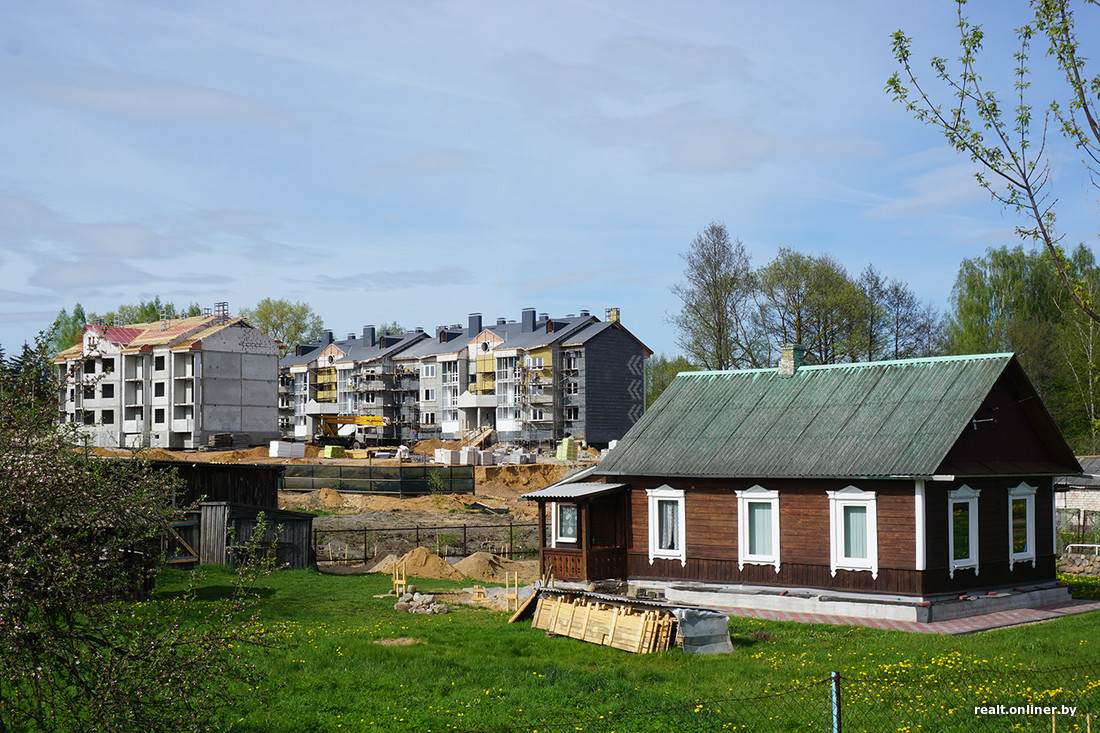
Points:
x=279, y=449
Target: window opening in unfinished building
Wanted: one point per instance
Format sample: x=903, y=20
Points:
x=158, y=363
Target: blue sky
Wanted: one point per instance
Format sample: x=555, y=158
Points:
x=418, y=161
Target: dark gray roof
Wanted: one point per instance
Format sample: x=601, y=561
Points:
x=1090, y=465
x=512, y=332
x=895, y=418
x=357, y=349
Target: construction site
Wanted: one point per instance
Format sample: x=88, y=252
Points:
x=359, y=522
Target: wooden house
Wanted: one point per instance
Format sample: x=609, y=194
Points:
x=911, y=478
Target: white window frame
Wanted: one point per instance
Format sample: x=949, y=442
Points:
x=428, y=370
x=572, y=414
x=1027, y=493
x=655, y=497
x=572, y=387
x=558, y=536
x=963, y=495
x=756, y=495
x=852, y=496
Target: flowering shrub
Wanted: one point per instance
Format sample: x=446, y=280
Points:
x=79, y=542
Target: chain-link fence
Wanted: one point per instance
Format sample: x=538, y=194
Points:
x=904, y=700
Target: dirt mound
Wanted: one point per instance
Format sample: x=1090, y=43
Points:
x=488, y=567
x=423, y=563
x=434, y=503
x=330, y=498
x=385, y=565
x=428, y=447
x=235, y=456
x=529, y=476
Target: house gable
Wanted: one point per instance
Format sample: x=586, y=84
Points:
x=1010, y=433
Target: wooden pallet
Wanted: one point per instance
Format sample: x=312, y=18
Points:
x=629, y=629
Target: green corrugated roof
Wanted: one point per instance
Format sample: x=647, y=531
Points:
x=890, y=418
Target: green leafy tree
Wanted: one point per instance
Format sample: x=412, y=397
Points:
x=66, y=328
x=1001, y=132
x=147, y=311
x=79, y=537
x=1012, y=300
x=811, y=301
x=290, y=323
x=660, y=370
x=392, y=327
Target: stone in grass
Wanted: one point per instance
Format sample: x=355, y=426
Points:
x=401, y=606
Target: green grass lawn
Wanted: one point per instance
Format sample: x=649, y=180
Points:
x=472, y=671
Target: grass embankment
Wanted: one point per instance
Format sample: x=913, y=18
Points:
x=334, y=669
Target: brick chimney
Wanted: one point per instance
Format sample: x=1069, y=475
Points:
x=791, y=357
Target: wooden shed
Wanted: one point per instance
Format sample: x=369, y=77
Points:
x=913, y=478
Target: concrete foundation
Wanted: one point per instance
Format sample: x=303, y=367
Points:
x=859, y=605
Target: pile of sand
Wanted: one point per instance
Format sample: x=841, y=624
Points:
x=423, y=563
x=488, y=567
x=428, y=447
x=385, y=565
x=330, y=498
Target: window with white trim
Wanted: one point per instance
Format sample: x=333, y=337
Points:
x=566, y=524
x=1021, y=525
x=757, y=527
x=428, y=370
x=962, y=519
x=666, y=524
x=853, y=530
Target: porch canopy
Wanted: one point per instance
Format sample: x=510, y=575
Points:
x=594, y=545
x=572, y=492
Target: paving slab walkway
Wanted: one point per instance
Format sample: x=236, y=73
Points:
x=970, y=625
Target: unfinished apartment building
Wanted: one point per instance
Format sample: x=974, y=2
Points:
x=530, y=381
x=172, y=383
x=353, y=377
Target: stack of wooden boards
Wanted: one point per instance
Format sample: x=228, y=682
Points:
x=631, y=629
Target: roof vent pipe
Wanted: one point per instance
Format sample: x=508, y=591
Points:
x=544, y=317
x=585, y=313
x=501, y=321
x=791, y=358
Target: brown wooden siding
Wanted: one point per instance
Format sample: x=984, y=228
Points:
x=711, y=519
x=711, y=524
x=993, y=537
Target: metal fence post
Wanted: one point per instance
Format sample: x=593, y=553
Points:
x=835, y=688
x=465, y=551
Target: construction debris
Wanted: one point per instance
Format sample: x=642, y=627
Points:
x=622, y=627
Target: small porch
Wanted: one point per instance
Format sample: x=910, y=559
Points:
x=582, y=527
